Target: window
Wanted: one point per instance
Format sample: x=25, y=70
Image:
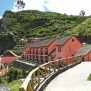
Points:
x=59, y=57
x=41, y=59
x=33, y=50
x=46, y=51
x=37, y=58
x=36, y=50
x=41, y=50
x=69, y=49
x=33, y=58
x=59, y=49
x=46, y=59
x=30, y=51
x=72, y=40
x=52, y=58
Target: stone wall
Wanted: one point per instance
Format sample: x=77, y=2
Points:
x=23, y=65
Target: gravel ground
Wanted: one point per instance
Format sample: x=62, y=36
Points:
x=74, y=79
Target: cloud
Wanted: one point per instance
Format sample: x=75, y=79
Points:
x=32, y=5
x=71, y=7
x=0, y=17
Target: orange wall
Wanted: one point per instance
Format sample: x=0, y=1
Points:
x=59, y=55
x=27, y=50
x=52, y=46
x=75, y=46
x=8, y=60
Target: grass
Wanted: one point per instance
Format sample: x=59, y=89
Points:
x=14, y=84
x=89, y=78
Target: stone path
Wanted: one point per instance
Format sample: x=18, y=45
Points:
x=74, y=79
x=4, y=88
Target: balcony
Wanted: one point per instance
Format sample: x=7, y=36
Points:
x=31, y=53
x=38, y=53
x=41, y=53
x=46, y=53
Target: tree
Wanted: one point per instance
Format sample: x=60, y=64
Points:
x=82, y=13
x=20, y=5
x=10, y=74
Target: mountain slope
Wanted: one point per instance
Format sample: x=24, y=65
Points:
x=82, y=29
x=40, y=24
x=33, y=23
x=6, y=38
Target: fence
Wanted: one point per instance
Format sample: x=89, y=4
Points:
x=41, y=73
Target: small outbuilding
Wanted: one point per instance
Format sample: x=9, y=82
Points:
x=85, y=52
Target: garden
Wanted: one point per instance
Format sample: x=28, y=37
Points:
x=14, y=78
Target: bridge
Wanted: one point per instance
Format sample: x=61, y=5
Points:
x=39, y=78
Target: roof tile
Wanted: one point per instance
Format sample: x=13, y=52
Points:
x=63, y=40
x=42, y=43
x=84, y=50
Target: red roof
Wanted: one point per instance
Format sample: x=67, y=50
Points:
x=8, y=60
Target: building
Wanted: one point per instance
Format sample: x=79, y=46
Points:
x=67, y=46
x=35, y=39
x=41, y=51
x=23, y=39
x=8, y=60
x=47, y=50
x=85, y=52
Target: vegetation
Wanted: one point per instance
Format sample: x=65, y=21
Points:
x=14, y=85
x=40, y=24
x=89, y=78
x=20, y=4
x=82, y=13
x=11, y=79
x=18, y=49
x=33, y=23
x=6, y=38
x=15, y=74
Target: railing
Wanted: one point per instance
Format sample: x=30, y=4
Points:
x=39, y=52
x=38, y=75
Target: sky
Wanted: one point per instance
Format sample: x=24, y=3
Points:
x=70, y=7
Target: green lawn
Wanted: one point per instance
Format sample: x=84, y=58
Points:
x=14, y=84
x=89, y=78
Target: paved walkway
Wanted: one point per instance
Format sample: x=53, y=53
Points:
x=74, y=79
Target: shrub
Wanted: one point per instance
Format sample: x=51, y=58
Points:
x=89, y=78
x=0, y=79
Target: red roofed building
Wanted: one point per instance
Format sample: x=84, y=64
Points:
x=52, y=49
x=67, y=47
x=41, y=51
x=85, y=52
x=8, y=60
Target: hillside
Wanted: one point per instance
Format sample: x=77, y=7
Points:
x=6, y=38
x=82, y=30
x=40, y=24
x=46, y=25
